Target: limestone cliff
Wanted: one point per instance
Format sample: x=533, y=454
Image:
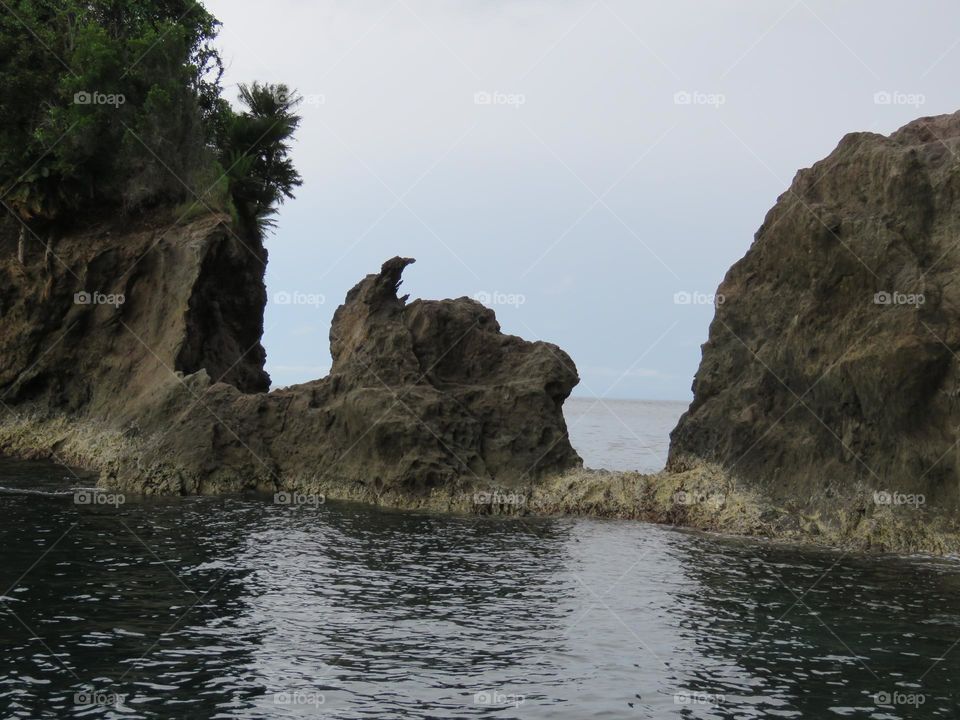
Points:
x=832, y=363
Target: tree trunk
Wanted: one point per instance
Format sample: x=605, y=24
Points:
x=48, y=255
x=22, y=245
x=48, y=267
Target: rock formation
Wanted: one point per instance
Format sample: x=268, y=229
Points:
x=164, y=391
x=832, y=362
x=826, y=405
x=116, y=307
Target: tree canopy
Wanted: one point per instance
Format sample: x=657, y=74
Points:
x=120, y=103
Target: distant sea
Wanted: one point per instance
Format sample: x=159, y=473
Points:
x=622, y=434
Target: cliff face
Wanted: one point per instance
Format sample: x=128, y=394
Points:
x=832, y=362
x=162, y=356
x=94, y=324
x=422, y=397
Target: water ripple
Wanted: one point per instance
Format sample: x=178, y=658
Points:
x=238, y=608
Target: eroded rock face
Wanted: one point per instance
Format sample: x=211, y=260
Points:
x=422, y=396
x=833, y=360
x=94, y=325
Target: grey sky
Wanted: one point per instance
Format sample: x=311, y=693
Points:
x=586, y=193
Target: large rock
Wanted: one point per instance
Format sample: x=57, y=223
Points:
x=422, y=397
x=831, y=362
x=94, y=324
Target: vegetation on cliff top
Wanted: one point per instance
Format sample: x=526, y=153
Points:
x=119, y=103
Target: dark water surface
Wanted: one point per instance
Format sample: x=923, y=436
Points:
x=240, y=608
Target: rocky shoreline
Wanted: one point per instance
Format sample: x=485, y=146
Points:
x=702, y=497
x=824, y=412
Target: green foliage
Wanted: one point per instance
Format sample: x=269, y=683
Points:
x=118, y=102
x=255, y=151
x=214, y=187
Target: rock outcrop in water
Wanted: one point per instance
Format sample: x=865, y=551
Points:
x=826, y=409
x=137, y=353
x=831, y=367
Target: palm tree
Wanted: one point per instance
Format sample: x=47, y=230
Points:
x=256, y=151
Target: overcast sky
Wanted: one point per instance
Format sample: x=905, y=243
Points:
x=574, y=164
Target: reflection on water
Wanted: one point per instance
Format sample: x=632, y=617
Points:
x=223, y=608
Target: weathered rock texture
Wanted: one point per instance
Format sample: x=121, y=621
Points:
x=831, y=364
x=193, y=298
x=164, y=393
